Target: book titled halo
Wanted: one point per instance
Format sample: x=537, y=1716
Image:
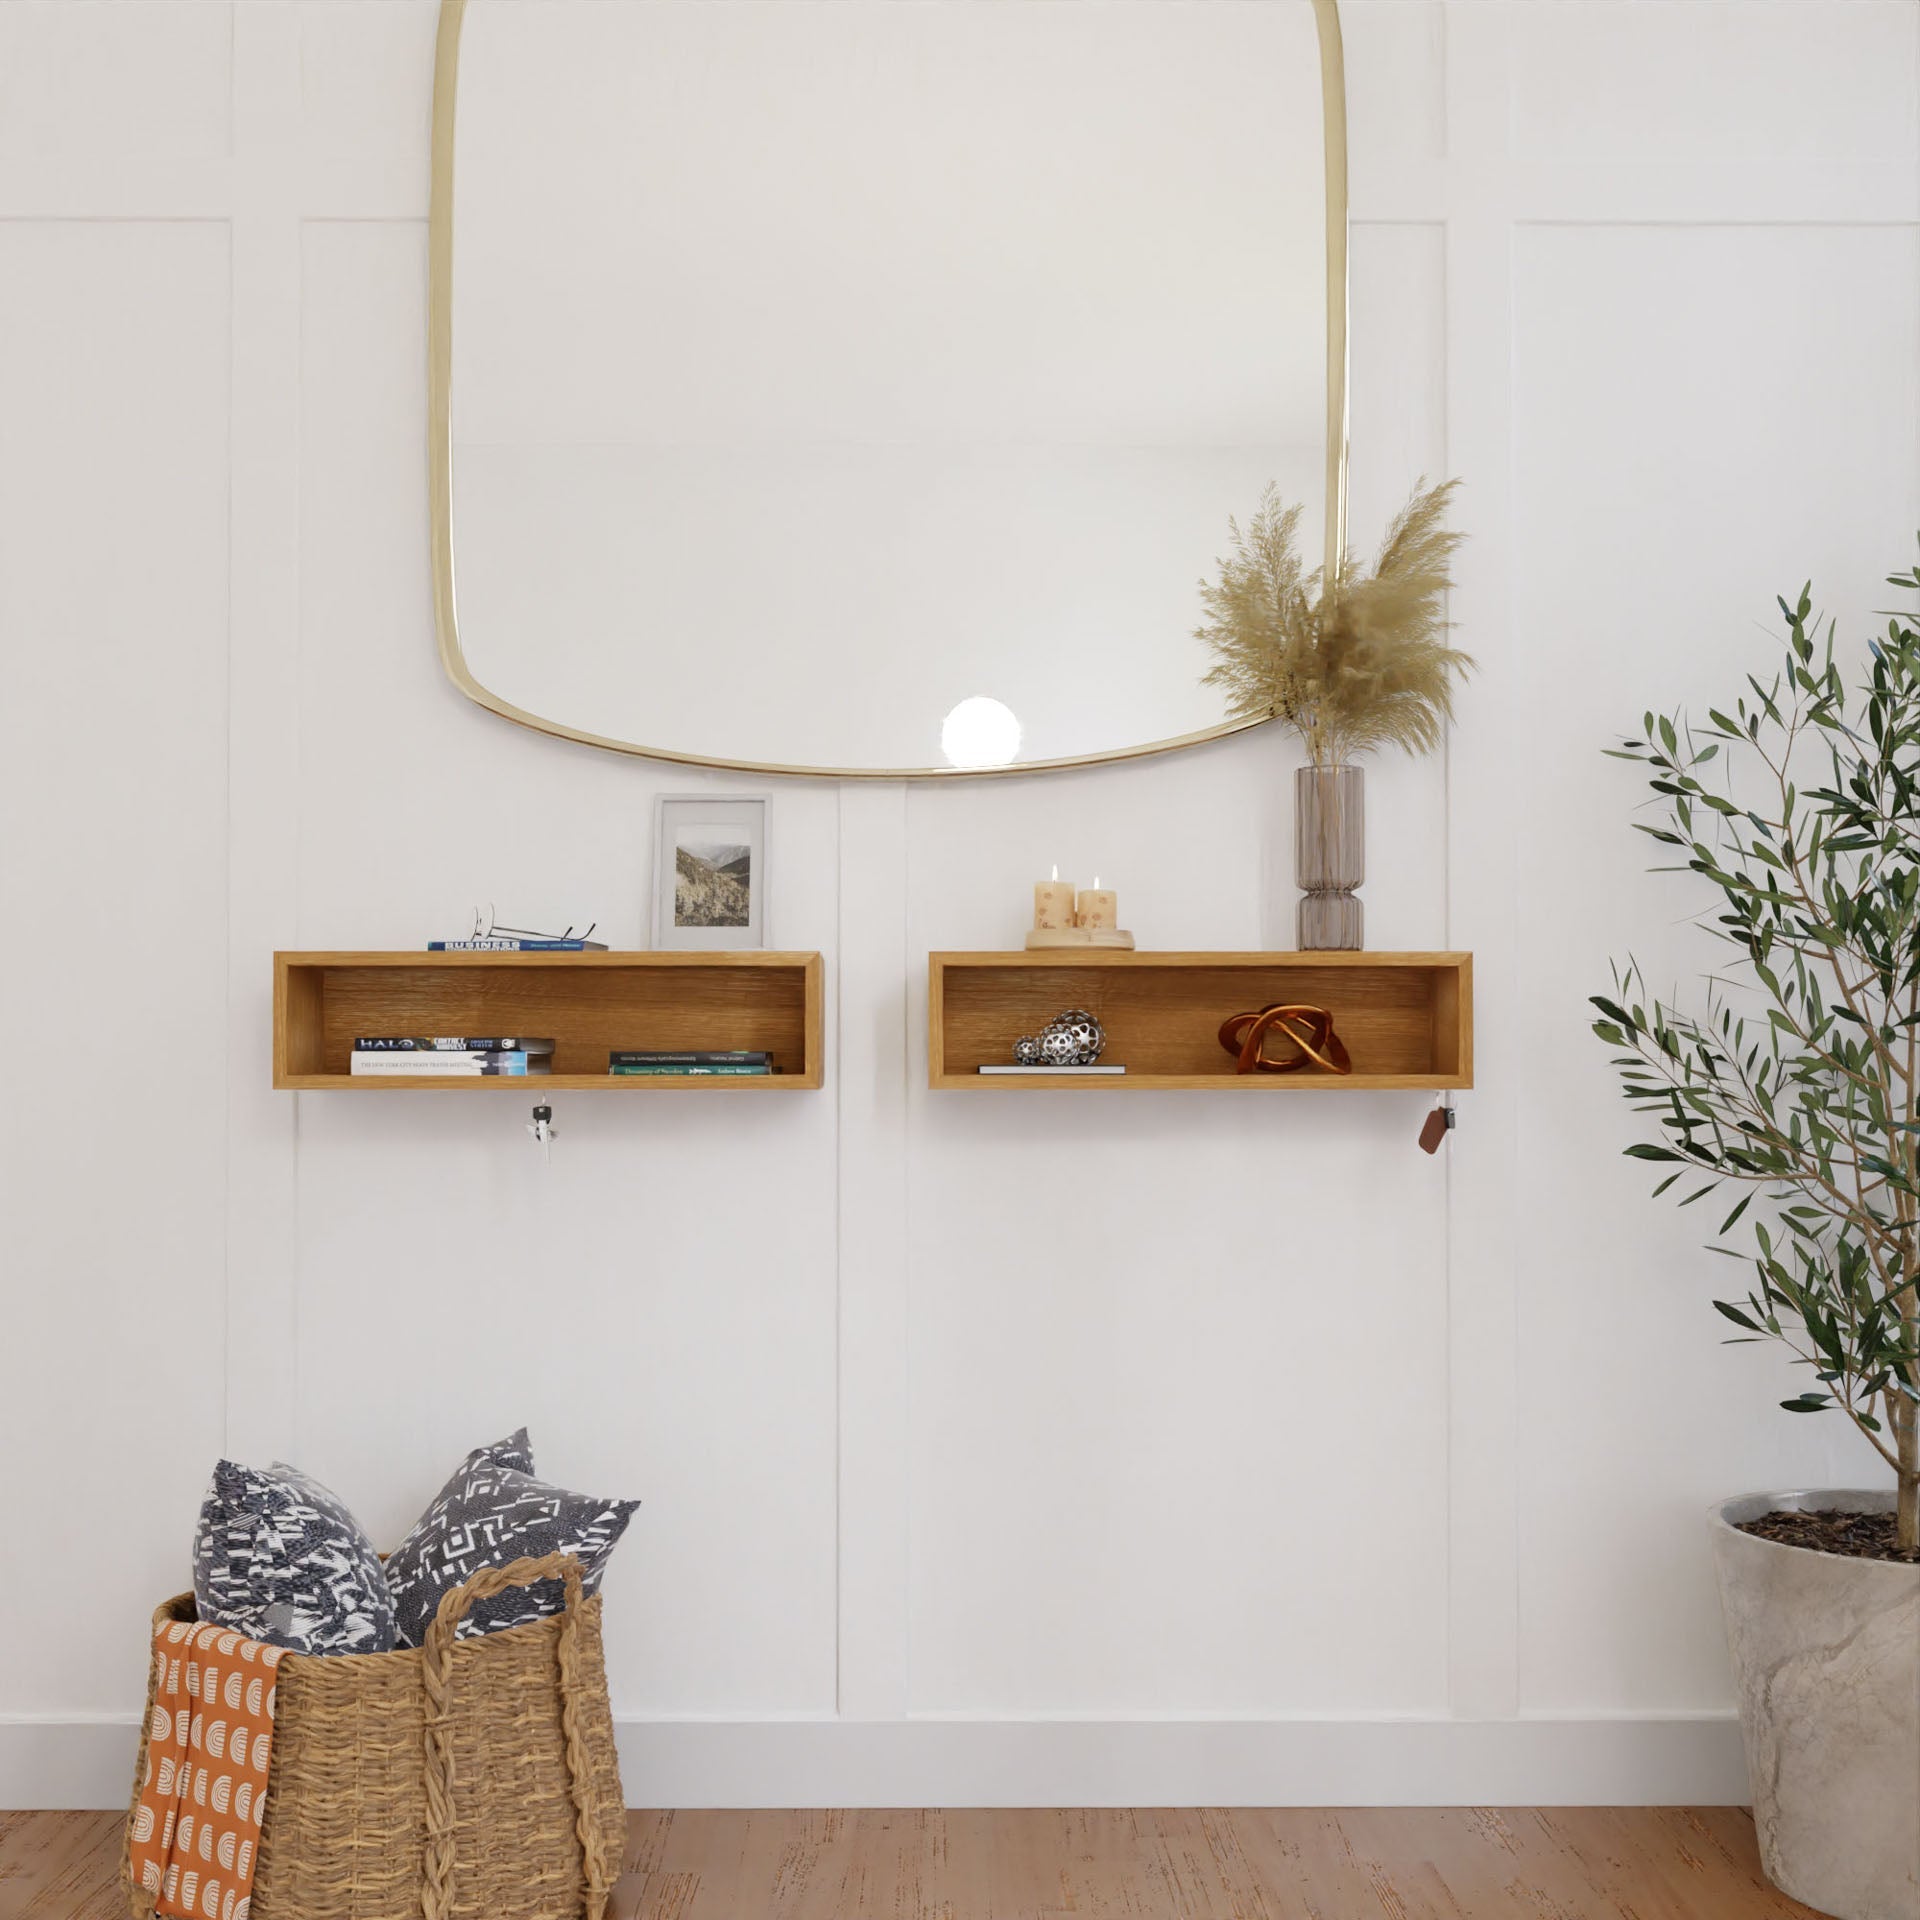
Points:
x=445, y=1043
x=450, y=1056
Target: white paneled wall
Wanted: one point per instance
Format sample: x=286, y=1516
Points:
x=1680, y=480
x=113, y=391
x=992, y=1449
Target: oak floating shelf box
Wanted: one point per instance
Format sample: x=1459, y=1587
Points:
x=588, y=1003
x=1407, y=1018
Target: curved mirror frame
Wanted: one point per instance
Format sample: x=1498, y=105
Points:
x=446, y=83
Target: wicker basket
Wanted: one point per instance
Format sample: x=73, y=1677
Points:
x=459, y=1780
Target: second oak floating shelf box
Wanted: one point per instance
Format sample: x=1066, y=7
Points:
x=1407, y=1018
x=587, y=1003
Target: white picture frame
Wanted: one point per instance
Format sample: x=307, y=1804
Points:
x=724, y=839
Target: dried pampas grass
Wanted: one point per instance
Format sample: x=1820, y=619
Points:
x=1353, y=666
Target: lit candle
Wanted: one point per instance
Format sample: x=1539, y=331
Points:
x=1052, y=904
x=1098, y=908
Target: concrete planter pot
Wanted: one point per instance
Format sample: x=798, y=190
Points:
x=1826, y=1657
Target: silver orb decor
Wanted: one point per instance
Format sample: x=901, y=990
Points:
x=1057, y=1048
x=1088, y=1037
x=1071, y=1039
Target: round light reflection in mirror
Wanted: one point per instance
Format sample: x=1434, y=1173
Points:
x=980, y=732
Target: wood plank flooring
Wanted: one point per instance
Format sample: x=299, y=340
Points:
x=1454, y=1863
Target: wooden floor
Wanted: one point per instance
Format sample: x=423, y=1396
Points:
x=1645, y=1863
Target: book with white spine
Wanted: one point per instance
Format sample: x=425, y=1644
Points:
x=443, y=1065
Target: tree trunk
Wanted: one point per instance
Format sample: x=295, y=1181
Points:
x=1907, y=1514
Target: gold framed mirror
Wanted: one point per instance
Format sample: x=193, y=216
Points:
x=859, y=388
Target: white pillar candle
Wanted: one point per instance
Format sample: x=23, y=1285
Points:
x=1052, y=904
x=1098, y=908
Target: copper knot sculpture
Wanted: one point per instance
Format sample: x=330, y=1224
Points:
x=1308, y=1031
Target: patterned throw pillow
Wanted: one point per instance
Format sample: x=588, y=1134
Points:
x=493, y=1511
x=279, y=1558
x=515, y=1451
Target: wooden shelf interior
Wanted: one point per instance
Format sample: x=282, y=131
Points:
x=1406, y=1018
x=588, y=1003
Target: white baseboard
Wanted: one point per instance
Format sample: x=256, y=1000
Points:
x=1640, y=1761
x=65, y=1763
x=1168, y=1763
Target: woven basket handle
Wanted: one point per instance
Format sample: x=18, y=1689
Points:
x=436, y=1890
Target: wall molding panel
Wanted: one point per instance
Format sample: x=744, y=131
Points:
x=987, y=1455
x=263, y=691
x=1483, y=882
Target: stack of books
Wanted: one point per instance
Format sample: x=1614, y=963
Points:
x=646, y=1060
x=451, y=1057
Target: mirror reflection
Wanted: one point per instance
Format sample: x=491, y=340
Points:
x=891, y=421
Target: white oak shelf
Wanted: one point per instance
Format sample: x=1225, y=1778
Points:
x=588, y=1003
x=1406, y=1018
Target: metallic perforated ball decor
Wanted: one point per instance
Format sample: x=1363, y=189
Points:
x=1057, y=1048
x=1026, y=1051
x=1088, y=1036
x=1072, y=1039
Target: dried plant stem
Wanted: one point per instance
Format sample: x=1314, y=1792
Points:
x=1352, y=663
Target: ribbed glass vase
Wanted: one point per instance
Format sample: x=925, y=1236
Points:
x=1330, y=855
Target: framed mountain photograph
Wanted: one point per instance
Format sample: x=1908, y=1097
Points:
x=709, y=872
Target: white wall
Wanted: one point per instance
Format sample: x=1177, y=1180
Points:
x=992, y=1449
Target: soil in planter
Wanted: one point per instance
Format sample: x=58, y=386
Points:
x=1861, y=1536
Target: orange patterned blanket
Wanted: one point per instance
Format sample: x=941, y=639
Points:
x=196, y=1826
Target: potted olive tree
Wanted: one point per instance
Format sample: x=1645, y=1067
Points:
x=1794, y=1091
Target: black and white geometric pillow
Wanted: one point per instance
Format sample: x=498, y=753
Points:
x=488, y=1514
x=278, y=1557
x=515, y=1451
